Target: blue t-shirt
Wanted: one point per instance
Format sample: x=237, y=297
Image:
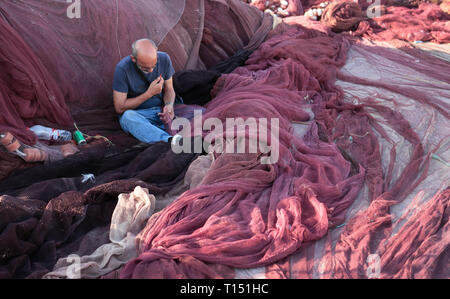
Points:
x=128, y=80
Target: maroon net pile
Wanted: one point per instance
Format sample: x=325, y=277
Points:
x=289, y=7
x=342, y=16
x=246, y=214
x=408, y=100
x=358, y=184
x=60, y=69
x=384, y=20
x=425, y=22
x=64, y=213
x=25, y=92
x=299, y=7
x=249, y=215
x=428, y=22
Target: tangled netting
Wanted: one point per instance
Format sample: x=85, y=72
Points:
x=357, y=184
x=50, y=212
x=428, y=22
x=249, y=215
x=445, y=6
x=60, y=71
x=68, y=77
x=381, y=20
x=281, y=8
x=342, y=15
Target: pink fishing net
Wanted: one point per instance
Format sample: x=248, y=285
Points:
x=63, y=62
x=342, y=16
x=78, y=57
x=25, y=93
x=273, y=217
x=428, y=22
x=246, y=214
x=381, y=20
x=397, y=96
x=280, y=8
x=360, y=186
x=59, y=70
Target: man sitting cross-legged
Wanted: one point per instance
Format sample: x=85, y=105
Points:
x=143, y=92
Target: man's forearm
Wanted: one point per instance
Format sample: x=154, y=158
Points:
x=133, y=103
x=169, y=97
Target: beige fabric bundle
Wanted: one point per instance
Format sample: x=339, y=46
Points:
x=129, y=218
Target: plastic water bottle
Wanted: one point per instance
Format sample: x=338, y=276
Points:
x=46, y=133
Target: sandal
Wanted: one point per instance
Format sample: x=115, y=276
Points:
x=34, y=155
x=28, y=154
x=10, y=142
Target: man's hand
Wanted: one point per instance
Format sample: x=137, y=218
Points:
x=155, y=87
x=167, y=114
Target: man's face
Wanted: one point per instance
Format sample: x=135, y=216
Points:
x=145, y=64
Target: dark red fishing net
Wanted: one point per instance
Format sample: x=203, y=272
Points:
x=59, y=71
x=27, y=89
x=49, y=211
x=426, y=23
x=248, y=215
x=361, y=192
x=423, y=23
x=342, y=15
x=381, y=20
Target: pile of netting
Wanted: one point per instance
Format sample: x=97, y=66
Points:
x=383, y=20
x=59, y=71
x=67, y=79
x=248, y=215
x=349, y=179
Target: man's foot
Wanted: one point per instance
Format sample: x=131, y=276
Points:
x=176, y=140
x=15, y=147
x=196, y=144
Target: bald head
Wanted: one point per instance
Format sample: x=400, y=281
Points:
x=145, y=54
x=143, y=46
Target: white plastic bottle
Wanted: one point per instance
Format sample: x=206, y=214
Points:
x=46, y=133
